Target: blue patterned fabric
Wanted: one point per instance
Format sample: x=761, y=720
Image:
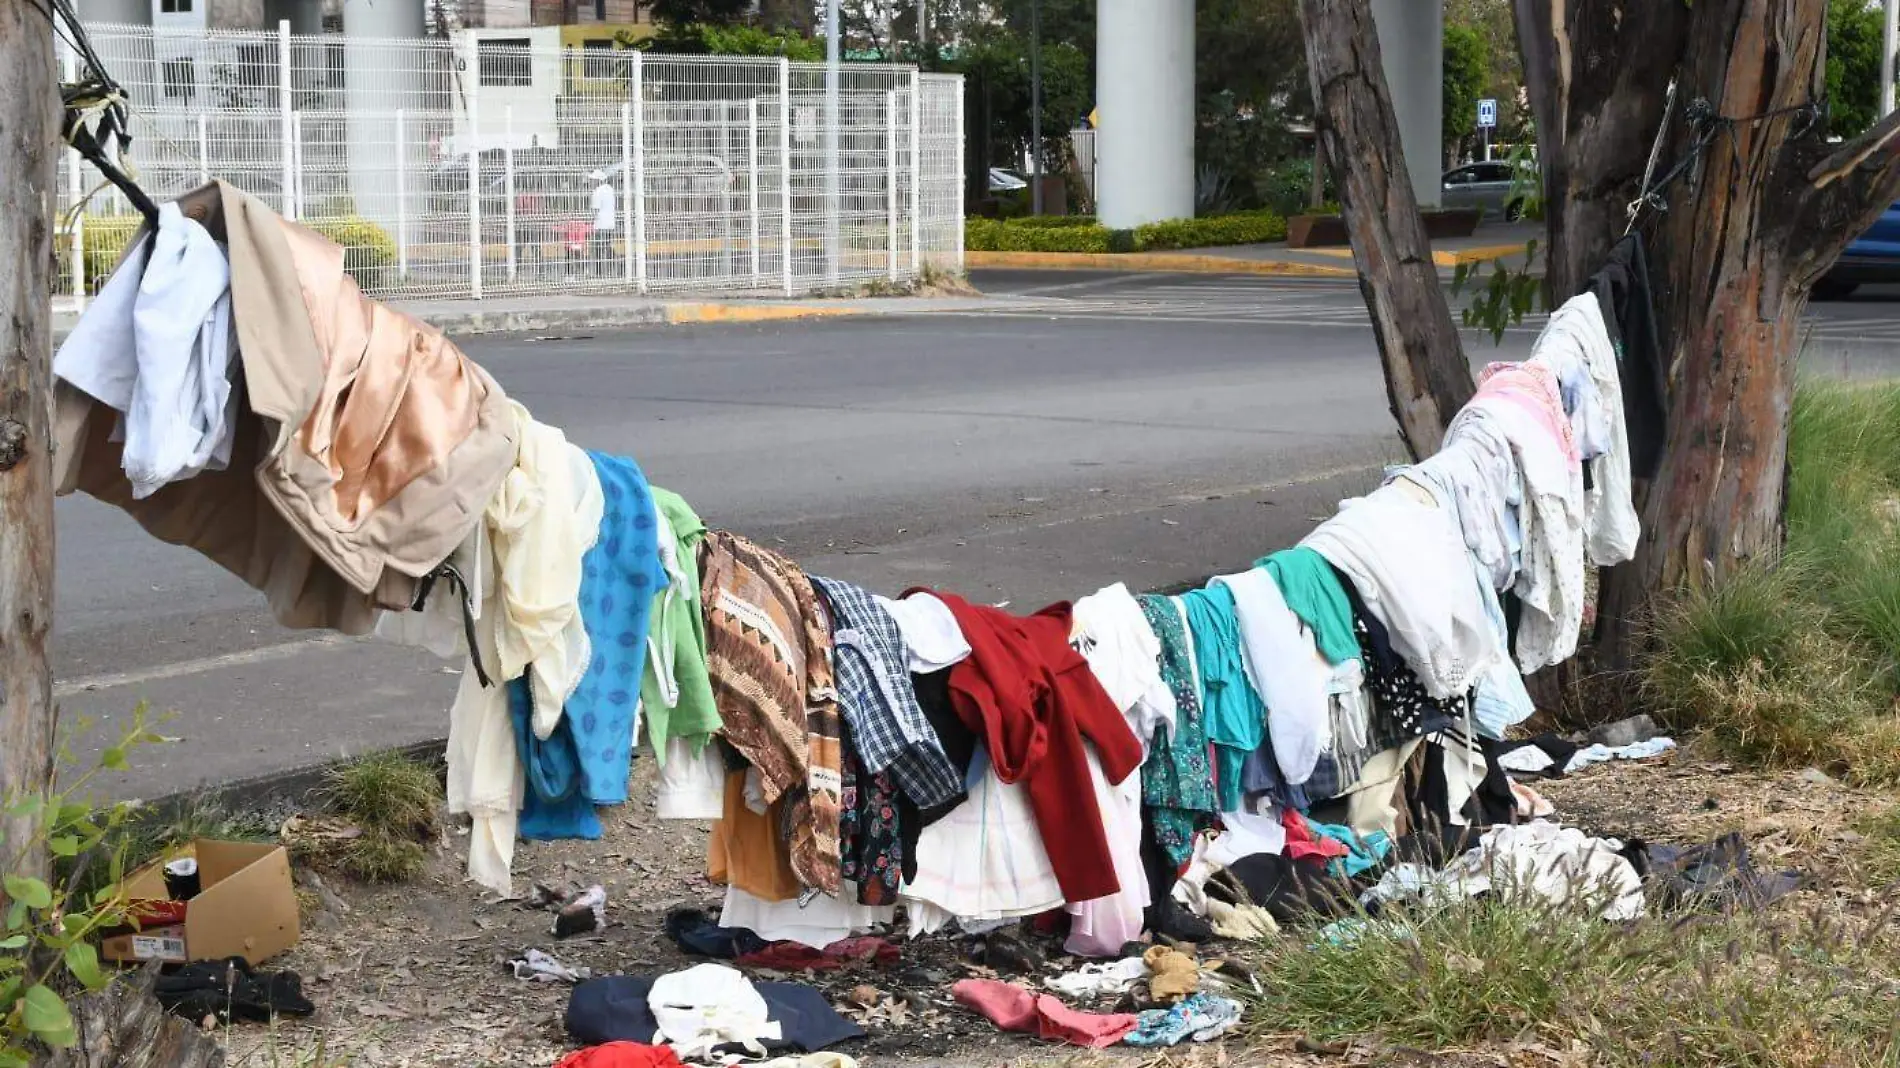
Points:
x=587, y=760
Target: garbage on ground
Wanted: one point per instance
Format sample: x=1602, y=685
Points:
x=231, y=989
x=536, y=966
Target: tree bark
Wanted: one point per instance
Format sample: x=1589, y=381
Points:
x=28, y=133
x=123, y=1026
x=1762, y=213
x=1427, y=377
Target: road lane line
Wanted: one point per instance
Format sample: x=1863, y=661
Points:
x=182, y=668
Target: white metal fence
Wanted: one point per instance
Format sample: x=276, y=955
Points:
x=469, y=168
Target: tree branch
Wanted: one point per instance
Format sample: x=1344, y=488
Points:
x=1881, y=138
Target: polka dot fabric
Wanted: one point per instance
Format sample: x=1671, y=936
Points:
x=619, y=577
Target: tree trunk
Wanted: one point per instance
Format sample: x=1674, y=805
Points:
x=123, y=1026
x=28, y=133
x=1751, y=224
x=1427, y=378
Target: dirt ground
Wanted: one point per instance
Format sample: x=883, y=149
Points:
x=414, y=975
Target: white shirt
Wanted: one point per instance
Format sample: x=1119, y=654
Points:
x=1286, y=670
x=157, y=345
x=605, y=217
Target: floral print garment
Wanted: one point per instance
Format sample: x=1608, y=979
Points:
x=868, y=833
x=1177, y=780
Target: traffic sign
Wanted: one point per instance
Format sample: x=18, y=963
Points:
x=1487, y=113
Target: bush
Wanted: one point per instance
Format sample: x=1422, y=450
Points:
x=1000, y=235
x=1080, y=233
x=104, y=238
x=1240, y=228
x=368, y=250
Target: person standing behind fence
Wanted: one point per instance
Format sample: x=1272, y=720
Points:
x=606, y=221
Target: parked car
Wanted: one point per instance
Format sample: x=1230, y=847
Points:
x=1006, y=181
x=1872, y=259
x=1490, y=187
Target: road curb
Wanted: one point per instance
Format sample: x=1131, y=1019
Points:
x=1168, y=262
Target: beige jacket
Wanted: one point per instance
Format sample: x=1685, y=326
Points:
x=369, y=449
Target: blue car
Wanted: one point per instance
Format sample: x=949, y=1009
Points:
x=1873, y=258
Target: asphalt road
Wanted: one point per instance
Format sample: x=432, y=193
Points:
x=1088, y=429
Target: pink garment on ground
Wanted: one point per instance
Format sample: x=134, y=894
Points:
x=1013, y=1008
x=795, y=957
x=1302, y=843
x=1533, y=387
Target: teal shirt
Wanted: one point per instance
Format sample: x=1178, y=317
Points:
x=1312, y=590
x=1235, y=718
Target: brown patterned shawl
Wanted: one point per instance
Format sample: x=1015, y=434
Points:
x=768, y=649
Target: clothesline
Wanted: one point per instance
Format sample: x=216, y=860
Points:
x=857, y=752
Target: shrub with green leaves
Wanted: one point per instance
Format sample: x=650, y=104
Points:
x=1239, y=228
x=369, y=252
x=49, y=926
x=1080, y=233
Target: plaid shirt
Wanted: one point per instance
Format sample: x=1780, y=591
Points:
x=878, y=700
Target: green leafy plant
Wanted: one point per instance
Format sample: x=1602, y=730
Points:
x=1237, y=228
x=368, y=250
x=1504, y=297
x=50, y=923
x=1084, y=234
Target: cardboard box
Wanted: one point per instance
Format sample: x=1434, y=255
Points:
x=246, y=907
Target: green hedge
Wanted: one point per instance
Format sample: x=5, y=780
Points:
x=368, y=250
x=1080, y=233
x=105, y=238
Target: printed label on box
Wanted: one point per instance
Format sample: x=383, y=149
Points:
x=157, y=947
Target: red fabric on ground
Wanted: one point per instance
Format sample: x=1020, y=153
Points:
x=1034, y=701
x=621, y=1055
x=1302, y=843
x=793, y=956
x=1013, y=1008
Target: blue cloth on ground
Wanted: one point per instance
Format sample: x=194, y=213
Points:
x=587, y=760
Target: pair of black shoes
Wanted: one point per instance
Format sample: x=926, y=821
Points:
x=231, y=989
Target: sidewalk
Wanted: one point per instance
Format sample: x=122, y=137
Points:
x=606, y=311
x=1492, y=241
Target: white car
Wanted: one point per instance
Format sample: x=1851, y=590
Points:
x=1004, y=181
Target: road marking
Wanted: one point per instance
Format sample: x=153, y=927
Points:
x=182, y=668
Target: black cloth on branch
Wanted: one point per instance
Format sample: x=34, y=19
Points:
x=1622, y=286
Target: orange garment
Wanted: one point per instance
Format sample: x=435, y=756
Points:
x=746, y=850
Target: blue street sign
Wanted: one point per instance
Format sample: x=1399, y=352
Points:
x=1487, y=113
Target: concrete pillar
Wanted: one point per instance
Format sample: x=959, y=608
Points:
x=382, y=73
x=1412, y=42
x=1144, y=95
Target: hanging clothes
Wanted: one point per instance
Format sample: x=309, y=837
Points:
x=746, y=849
x=1524, y=405
x=1287, y=672
x=1627, y=305
x=769, y=654
x=1577, y=344
x=1477, y=474
x=584, y=762
x=485, y=780
x=1236, y=720
x=871, y=834
x=1114, y=636
x=544, y=521
x=983, y=861
x=365, y=449
x=1405, y=560
x=1311, y=589
x=878, y=702
x=676, y=697
x=1101, y=927
x=156, y=345
x=1402, y=710
x=1177, y=782
x=1034, y=701
x=931, y=636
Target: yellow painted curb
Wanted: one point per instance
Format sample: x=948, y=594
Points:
x=1484, y=254
x=1152, y=261
x=677, y=314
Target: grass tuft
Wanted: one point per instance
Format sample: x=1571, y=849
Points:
x=1797, y=661
x=387, y=791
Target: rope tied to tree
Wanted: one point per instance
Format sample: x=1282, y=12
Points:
x=1706, y=125
x=96, y=120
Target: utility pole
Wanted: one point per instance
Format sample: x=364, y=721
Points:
x=1890, y=42
x=923, y=32
x=1035, y=107
x=29, y=103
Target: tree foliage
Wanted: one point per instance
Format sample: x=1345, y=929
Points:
x=686, y=12
x=1467, y=74
x=707, y=39
x=1853, y=66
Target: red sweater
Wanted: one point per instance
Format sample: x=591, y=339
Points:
x=1033, y=700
